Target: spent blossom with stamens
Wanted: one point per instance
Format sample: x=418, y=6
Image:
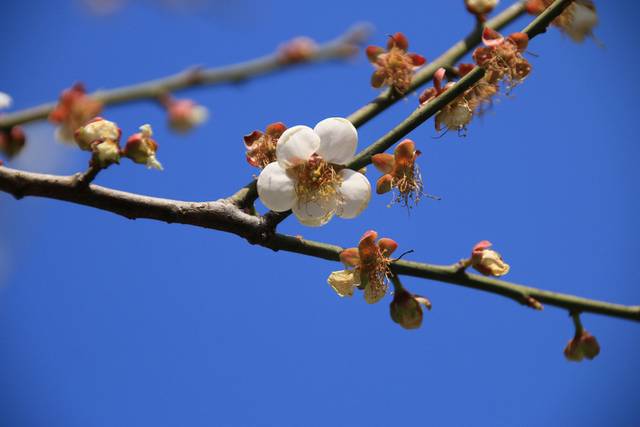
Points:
x=299, y=49
x=457, y=114
x=74, y=109
x=481, y=95
x=487, y=261
x=400, y=173
x=309, y=174
x=184, y=114
x=394, y=66
x=582, y=345
x=141, y=148
x=480, y=8
x=102, y=138
x=502, y=58
x=261, y=146
x=577, y=21
x=406, y=308
x=369, y=271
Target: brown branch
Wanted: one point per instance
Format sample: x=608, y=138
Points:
x=341, y=47
x=224, y=215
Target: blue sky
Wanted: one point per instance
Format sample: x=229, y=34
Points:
x=106, y=321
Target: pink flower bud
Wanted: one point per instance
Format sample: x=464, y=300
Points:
x=185, y=114
x=299, y=49
x=142, y=149
x=582, y=346
x=487, y=261
x=406, y=309
x=74, y=109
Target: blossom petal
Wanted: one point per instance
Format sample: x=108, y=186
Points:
x=296, y=145
x=383, y=162
x=275, y=188
x=356, y=193
x=315, y=213
x=338, y=140
x=344, y=282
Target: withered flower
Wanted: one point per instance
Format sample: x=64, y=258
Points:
x=457, y=114
x=502, y=58
x=261, y=146
x=370, y=263
x=394, y=66
x=400, y=173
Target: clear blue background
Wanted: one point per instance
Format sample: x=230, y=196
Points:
x=111, y=322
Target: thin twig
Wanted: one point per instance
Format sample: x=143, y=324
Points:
x=341, y=47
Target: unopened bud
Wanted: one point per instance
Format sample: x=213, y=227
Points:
x=406, y=309
x=141, y=148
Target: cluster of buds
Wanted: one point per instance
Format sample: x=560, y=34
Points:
x=261, y=146
x=370, y=268
x=502, y=58
x=582, y=345
x=457, y=114
x=400, y=173
x=102, y=138
x=486, y=261
x=299, y=49
x=577, y=21
x=406, y=308
x=74, y=109
x=184, y=114
x=480, y=8
x=394, y=66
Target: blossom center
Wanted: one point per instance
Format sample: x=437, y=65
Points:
x=316, y=181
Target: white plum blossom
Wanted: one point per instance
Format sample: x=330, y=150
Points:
x=309, y=177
